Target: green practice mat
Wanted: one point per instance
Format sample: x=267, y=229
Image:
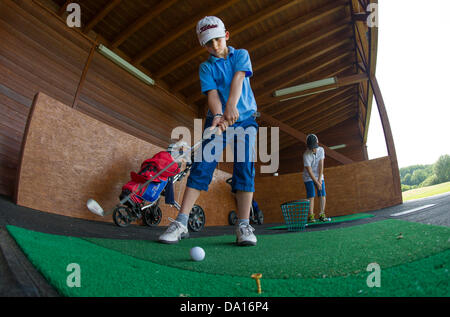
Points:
x=333, y=220
x=321, y=263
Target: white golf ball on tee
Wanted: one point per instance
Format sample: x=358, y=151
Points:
x=197, y=254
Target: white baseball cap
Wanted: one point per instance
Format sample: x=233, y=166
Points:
x=210, y=28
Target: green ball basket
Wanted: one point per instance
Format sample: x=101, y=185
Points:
x=295, y=214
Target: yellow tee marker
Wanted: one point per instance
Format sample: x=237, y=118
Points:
x=257, y=277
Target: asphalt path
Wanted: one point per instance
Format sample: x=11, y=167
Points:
x=433, y=210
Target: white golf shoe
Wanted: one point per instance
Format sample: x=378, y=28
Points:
x=245, y=236
x=174, y=233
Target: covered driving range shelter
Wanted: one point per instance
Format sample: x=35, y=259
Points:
x=83, y=106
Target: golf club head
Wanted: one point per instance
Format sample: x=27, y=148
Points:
x=94, y=207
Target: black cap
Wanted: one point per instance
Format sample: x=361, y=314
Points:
x=312, y=142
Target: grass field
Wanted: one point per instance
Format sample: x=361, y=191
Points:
x=426, y=191
x=321, y=263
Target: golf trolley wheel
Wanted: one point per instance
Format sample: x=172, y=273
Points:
x=259, y=218
x=232, y=218
x=152, y=216
x=197, y=219
x=121, y=216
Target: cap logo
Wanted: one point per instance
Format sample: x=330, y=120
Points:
x=207, y=27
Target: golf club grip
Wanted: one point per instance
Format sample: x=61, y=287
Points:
x=206, y=137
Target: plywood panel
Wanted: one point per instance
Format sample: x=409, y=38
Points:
x=69, y=157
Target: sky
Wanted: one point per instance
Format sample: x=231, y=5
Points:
x=413, y=72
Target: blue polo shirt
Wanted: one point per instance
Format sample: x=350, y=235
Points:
x=217, y=73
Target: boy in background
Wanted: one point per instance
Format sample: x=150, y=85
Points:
x=313, y=161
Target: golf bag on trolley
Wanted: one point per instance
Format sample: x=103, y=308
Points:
x=150, y=168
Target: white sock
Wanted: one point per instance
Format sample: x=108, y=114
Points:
x=182, y=218
x=243, y=221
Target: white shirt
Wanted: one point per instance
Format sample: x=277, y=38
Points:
x=312, y=160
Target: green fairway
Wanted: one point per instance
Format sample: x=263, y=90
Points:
x=321, y=263
x=426, y=191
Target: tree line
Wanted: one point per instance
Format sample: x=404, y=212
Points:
x=416, y=176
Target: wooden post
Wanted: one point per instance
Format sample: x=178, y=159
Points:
x=387, y=135
x=84, y=74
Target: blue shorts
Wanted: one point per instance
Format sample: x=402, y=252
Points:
x=211, y=152
x=311, y=190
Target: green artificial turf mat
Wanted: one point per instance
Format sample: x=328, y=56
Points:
x=292, y=255
x=333, y=220
x=416, y=265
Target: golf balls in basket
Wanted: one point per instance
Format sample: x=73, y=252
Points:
x=197, y=254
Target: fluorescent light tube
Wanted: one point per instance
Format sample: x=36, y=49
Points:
x=303, y=87
x=124, y=64
x=307, y=94
x=337, y=147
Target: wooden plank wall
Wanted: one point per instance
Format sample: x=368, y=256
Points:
x=352, y=188
x=38, y=53
x=70, y=157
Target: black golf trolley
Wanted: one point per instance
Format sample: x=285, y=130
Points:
x=256, y=214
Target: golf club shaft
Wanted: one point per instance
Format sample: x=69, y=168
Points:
x=207, y=135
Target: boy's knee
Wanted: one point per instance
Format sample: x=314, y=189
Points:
x=201, y=175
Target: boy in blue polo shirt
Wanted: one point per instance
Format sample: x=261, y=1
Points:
x=224, y=79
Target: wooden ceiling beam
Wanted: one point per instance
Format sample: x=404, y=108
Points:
x=180, y=30
x=297, y=24
x=360, y=16
x=302, y=137
x=325, y=125
x=302, y=59
x=286, y=141
x=362, y=109
x=360, y=127
x=332, y=103
x=275, y=34
x=234, y=30
x=303, y=44
x=387, y=133
x=63, y=8
x=364, y=4
x=141, y=22
x=326, y=112
x=100, y=15
x=335, y=120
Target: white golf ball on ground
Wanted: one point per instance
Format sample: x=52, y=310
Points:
x=197, y=254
